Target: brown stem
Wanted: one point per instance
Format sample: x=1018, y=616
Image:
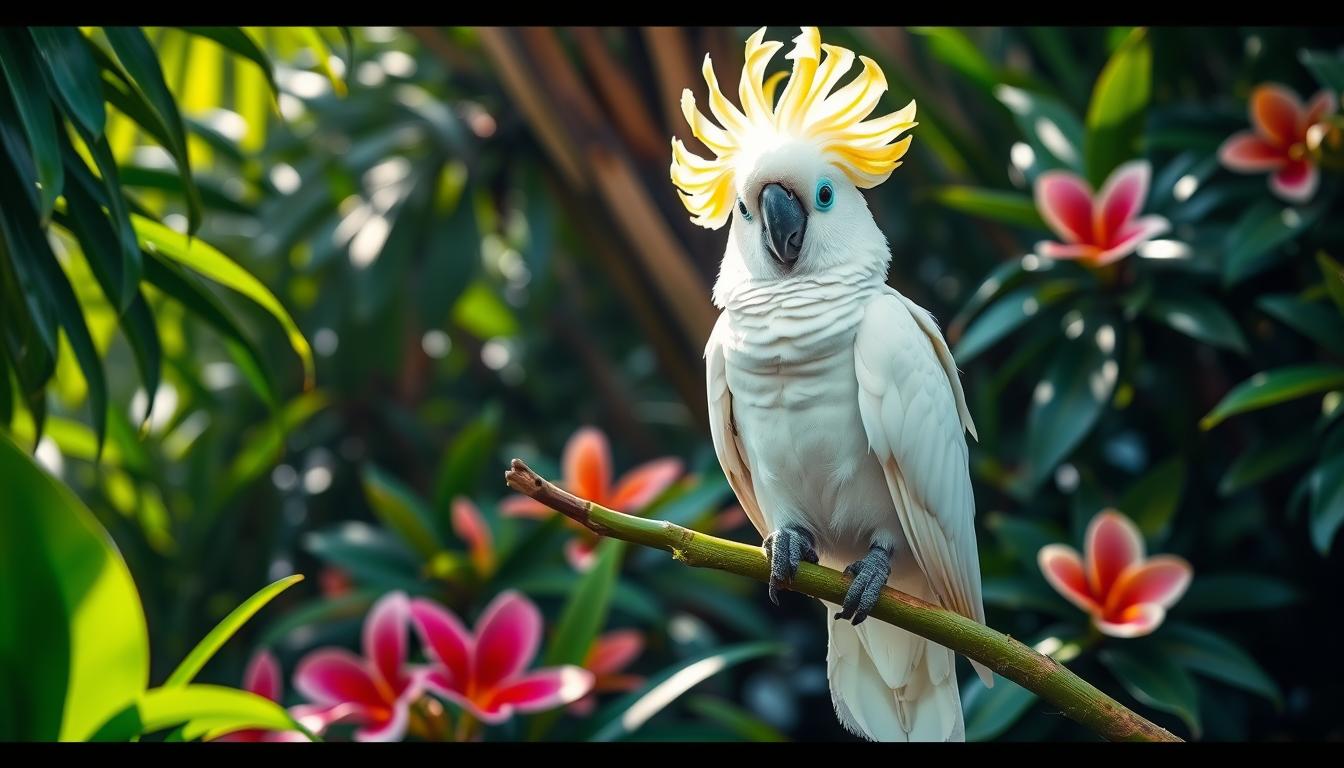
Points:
x=1037, y=673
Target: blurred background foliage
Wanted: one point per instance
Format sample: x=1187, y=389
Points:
x=354, y=271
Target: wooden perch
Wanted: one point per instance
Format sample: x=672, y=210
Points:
x=1038, y=673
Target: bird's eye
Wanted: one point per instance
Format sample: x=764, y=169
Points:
x=742, y=209
x=825, y=194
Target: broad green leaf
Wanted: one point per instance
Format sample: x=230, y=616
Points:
x=1051, y=129
x=1152, y=501
x=74, y=648
x=23, y=72
x=400, y=510
x=162, y=708
x=1021, y=536
x=1333, y=272
x=1264, y=460
x=1115, y=114
x=628, y=714
x=203, y=258
x=1327, y=503
x=1198, y=317
x=1025, y=594
x=992, y=711
x=237, y=40
x=1273, y=387
x=1155, y=680
x=1235, y=592
x=951, y=46
x=466, y=460
x=1210, y=654
x=370, y=555
x=1328, y=68
x=1257, y=240
x=225, y=629
x=73, y=74
x=1316, y=320
x=1072, y=394
x=747, y=726
x=1007, y=207
x=1006, y=315
x=483, y=314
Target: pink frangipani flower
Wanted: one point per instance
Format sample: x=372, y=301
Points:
x=607, y=659
x=1278, y=142
x=485, y=671
x=475, y=532
x=262, y=677
x=375, y=691
x=587, y=474
x=1126, y=594
x=1097, y=229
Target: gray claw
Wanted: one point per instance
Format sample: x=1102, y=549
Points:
x=786, y=548
x=870, y=575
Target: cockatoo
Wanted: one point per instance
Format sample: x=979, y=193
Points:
x=835, y=405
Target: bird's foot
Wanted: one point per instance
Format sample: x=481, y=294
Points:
x=870, y=575
x=786, y=549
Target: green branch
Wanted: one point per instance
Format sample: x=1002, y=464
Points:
x=1039, y=674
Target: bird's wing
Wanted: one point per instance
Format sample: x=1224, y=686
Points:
x=723, y=428
x=914, y=413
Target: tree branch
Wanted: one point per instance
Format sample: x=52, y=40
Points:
x=1037, y=673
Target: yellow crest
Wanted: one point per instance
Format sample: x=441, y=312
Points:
x=807, y=109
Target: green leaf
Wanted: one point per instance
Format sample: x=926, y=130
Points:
x=322, y=52
x=401, y=511
x=747, y=726
x=466, y=459
x=1152, y=501
x=1198, y=317
x=225, y=629
x=1115, y=115
x=1328, y=68
x=1051, y=129
x=1007, y=207
x=1073, y=393
x=1236, y=592
x=143, y=335
x=1006, y=315
x=220, y=708
x=951, y=46
x=1023, y=537
x=1333, y=272
x=24, y=75
x=74, y=648
x=111, y=196
x=142, y=66
x=1264, y=460
x=214, y=194
x=992, y=711
x=626, y=715
x=1213, y=655
x=483, y=314
x=1315, y=320
x=74, y=75
x=372, y=556
x=262, y=447
x=200, y=256
x=1273, y=387
x=1257, y=240
x=1327, y=503
x=1155, y=680
x=687, y=509
x=237, y=40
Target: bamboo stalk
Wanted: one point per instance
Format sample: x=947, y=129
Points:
x=1038, y=673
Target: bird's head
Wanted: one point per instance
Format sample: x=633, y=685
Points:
x=787, y=172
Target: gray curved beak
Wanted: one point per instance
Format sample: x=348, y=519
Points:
x=785, y=223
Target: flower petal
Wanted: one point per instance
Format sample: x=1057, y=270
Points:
x=507, y=636
x=1135, y=621
x=385, y=638
x=1131, y=236
x=1064, y=570
x=613, y=651
x=730, y=519
x=336, y=676
x=642, y=484
x=472, y=528
x=1112, y=544
x=1248, y=152
x=385, y=724
x=263, y=676
x=1065, y=202
x=1277, y=114
x=1120, y=200
x=1061, y=251
x=445, y=639
x=581, y=553
x=317, y=718
x=540, y=690
x=587, y=465
x=1160, y=580
x=1295, y=182
x=524, y=506
x=1321, y=106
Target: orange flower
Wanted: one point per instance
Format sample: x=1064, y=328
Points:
x=611, y=653
x=472, y=529
x=1126, y=594
x=1278, y=142
x=587, y=474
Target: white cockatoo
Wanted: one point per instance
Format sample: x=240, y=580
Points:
x=835, y=405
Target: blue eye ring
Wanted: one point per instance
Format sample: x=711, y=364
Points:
x=742, y=209
x=825, y=195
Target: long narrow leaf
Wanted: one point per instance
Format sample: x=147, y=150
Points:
x=225, y=629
